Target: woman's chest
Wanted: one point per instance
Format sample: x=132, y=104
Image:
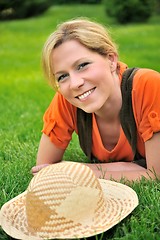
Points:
x=109, y=133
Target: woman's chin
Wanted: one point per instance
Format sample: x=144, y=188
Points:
x=91, y=109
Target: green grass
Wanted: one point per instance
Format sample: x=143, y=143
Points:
x=24, y=96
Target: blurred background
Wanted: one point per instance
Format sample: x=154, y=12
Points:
x=122, y=11
x=24, y=94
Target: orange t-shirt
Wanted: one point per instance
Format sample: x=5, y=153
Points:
x=60, y=118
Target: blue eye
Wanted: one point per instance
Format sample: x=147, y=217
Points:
x=62, y=77
x=82, y=65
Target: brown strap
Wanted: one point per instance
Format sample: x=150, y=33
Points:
x=84, y=125
x=126, y=113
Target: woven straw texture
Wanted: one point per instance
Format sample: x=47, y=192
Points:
x=66, y=201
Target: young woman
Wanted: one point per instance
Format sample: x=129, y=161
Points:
x=81, y=62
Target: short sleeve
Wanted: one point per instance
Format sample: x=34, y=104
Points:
x=146, y=97
x=59, y=121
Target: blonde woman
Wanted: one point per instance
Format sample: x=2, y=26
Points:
x=81, y=62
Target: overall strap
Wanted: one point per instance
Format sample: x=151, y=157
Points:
x=84, y=125
x=126, y=113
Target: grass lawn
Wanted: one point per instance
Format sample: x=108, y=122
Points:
x=24, y=96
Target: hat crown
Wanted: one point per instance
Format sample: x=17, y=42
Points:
x=62, y=196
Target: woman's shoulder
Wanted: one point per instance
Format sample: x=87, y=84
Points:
x=59, y=108
x=147, y=73
x=59, y=101
x=146, y=78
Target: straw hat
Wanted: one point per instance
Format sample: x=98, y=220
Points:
x=66, y=201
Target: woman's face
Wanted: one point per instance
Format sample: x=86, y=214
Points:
x=85, y=77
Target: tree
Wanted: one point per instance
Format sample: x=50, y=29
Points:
x=15, y=9
x=130, y=10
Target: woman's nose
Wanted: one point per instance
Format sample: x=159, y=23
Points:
x=76, y=81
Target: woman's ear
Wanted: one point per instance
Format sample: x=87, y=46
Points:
x=113, y=59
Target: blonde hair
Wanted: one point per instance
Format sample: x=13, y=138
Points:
x=90, y=34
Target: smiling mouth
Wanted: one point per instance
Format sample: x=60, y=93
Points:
x=86, y=94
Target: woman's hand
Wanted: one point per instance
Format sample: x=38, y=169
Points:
x=37, y=168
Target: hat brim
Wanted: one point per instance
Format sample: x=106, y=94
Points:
x=120, y=199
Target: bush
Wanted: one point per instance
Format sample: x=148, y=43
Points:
x=16, y=9
x=76, y=1
x=157, y=7
x=130, y=10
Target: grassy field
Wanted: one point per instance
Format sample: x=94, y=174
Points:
x=24, y=96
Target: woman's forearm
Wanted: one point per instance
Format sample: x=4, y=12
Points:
x=118, y=170
x=48, y=153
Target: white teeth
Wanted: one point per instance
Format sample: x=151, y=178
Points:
x=86, y=94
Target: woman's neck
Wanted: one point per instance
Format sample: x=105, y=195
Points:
x=109, y=112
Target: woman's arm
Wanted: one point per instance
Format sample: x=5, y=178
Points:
x=48, y=153
x=132, y=171
x=118, y=170
x=152, y=148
